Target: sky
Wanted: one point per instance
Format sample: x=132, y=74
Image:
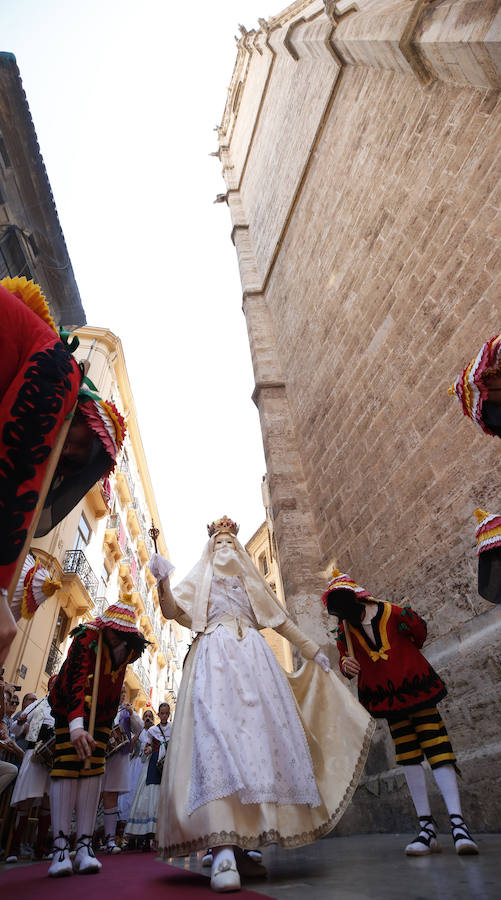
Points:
x=125, y=98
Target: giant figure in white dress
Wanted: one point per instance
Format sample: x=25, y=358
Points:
x=256, y=756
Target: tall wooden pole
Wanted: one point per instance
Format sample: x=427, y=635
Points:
x=44, y=489
x=95, y=690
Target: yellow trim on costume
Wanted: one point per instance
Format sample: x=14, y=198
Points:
x=440, y=757
x=382, y=653
x=430, y=726
x=31, y=296
x=430, y=710
x=394, y=726
x=433, y=742
x=404, y=739
x=487, y=535
x=410, y=754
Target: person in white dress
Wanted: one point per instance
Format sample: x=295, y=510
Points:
x=33, y=781
x=143, y=812
x=116, y=779
x=136, y=764
x=251, y=761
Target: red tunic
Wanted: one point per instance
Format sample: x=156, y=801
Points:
x=394, y=676
x=71, y=693
x=39, y=382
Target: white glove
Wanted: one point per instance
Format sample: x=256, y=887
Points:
x=323, y=661
x=160, y=567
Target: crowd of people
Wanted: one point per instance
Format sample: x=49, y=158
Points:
x=126, y=815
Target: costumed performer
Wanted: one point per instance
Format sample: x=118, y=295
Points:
x=143, y=813
x=397, y=683
x=41, y=386
x=488, y=535
x=117, y=772
x=73, y=785
x=32, y=784
x=8, y=771
x=256, y=756
x=478, y=388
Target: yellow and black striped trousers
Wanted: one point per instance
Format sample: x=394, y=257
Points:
x=419, y=734
x=66, y=762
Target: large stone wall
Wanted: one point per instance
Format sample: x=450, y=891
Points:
x=365, y=198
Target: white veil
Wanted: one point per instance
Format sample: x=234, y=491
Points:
x=192, y=593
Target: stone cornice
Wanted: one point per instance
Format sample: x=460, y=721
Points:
x=265, y=386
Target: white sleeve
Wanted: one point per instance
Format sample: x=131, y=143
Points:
x=136, y=723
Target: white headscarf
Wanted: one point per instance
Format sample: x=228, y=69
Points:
x=192, y=594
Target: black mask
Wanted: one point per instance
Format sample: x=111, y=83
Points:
x=491, y=415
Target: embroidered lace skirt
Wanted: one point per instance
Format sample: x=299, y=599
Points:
x=252, y=762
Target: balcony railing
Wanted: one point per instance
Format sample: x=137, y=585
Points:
x=75, y=563
x=142, y=675
x=54, y=660
x=100, y=604
x=113, y=521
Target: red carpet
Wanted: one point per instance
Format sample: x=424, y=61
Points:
x=128, y=876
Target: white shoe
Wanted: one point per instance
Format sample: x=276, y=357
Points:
x=85, y=862
x=207, y=859
x=61, y=862
x=224, y=877
x=426, y=841
x=12, y=859
x=112, y=846
x=247, y=866
x=463, y=841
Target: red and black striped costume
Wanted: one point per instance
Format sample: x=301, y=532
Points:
x=70, y=699
x=397, y=683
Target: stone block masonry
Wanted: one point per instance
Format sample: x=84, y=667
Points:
x=360, y=148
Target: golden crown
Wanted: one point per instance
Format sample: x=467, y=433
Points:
x=223, y=524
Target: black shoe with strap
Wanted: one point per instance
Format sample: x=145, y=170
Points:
x=463, y=841
x=426, y=841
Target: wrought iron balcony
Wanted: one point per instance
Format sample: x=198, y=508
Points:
x=75, y=563
x=54, y=660
x=113, y=521
x=142, y=675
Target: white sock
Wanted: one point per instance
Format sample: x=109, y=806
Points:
x=89, y=790
x=219, y=854
x=110, y=822
x=445, y=776
x=63, y=795
x=416, y=780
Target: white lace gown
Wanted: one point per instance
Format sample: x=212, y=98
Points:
x=248, y=737
x=257, y=756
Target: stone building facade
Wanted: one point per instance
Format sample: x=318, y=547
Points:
x=31, y=239
x=360, y=150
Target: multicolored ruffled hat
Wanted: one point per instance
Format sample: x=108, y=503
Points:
x=121, y=616
x=469, y=387
x=343, y=582
x=488, y=531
